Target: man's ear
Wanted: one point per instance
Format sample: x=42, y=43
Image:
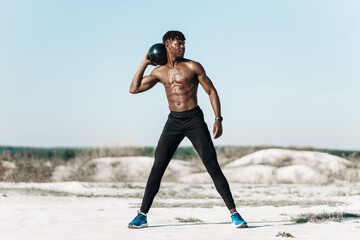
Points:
x=167, y=43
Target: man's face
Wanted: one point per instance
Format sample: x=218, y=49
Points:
x=176, y=48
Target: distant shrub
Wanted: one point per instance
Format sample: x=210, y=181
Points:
x=68, y=154
x=185, y=153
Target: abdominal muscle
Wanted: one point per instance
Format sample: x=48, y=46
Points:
x=181, y=97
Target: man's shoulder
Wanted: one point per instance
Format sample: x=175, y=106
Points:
x=195, y=66
x=191, y=63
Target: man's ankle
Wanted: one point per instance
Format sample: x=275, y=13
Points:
x=232, y=211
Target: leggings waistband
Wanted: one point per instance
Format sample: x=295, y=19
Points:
x=186, y=113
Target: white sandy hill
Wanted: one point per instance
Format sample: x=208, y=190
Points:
x=283, y=166
x=324, y=162
x=7, y=169
x=127, y=169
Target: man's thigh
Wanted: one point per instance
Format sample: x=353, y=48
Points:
x=170, y=139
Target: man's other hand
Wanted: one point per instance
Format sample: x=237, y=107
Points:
x=217, y=129
x=147, y=59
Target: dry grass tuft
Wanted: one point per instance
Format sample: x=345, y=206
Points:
x=323, y=217
x=284, y=234
x=188, y=220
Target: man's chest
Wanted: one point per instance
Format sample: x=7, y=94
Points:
x=178, y=76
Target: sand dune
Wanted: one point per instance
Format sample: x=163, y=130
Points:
x=127, y=169
x=246, y=174
x=283, y=166
x=299, y=174
x=323, y=162
x=265, y=166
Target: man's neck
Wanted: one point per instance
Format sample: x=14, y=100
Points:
x=172, y=60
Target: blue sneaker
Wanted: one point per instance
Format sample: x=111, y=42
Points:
x=237, y=221
x=139, y=221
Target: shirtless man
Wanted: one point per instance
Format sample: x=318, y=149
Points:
x=181, y=78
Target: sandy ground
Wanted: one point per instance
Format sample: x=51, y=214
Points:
x=73, y=210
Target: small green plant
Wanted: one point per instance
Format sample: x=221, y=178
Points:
x=188, y=220
x=284, y=234
x=322, y=217
x=68, y=154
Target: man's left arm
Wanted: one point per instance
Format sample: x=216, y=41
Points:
x=214, y=98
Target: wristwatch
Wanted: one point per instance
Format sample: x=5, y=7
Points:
x=219, y=118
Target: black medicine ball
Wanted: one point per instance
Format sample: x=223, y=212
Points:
x=157, y=54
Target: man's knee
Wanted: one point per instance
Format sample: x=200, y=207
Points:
x=157, y=170
x=214, y=170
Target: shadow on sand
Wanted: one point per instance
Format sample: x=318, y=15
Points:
x=250, y=224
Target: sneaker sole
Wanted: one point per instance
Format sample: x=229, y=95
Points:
x=243, y=225
x=145, y=225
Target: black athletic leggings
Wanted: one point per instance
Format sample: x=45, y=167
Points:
x=188, y=124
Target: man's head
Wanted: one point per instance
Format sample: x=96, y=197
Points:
x=173, y=35
x=175, y=43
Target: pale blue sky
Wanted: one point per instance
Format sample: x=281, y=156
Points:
x=287, y=72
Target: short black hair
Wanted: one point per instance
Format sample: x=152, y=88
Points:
x=173, y=35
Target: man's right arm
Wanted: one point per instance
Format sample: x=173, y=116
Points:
x=140, y=83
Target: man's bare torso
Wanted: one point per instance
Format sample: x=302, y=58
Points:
x=181, y=84
x=180, y=77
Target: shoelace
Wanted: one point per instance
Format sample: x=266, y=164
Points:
x=138, y=217
x=238, y=217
